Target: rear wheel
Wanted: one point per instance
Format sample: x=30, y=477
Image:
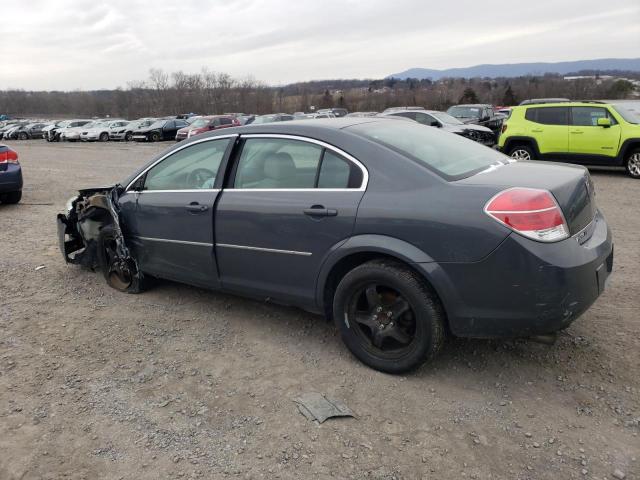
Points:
x=632, y=163
x=521, y=152
x=11, y=197
x=388, y=317
x=104, y=137
x=121, y=274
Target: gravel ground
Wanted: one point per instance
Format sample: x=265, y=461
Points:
x=181, y=382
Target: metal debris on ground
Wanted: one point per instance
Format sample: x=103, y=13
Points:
x=315, y=406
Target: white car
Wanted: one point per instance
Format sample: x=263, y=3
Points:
x=71, y=131
x=100, y=130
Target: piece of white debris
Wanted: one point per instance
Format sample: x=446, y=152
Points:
x=315, y=406
x=39, y=267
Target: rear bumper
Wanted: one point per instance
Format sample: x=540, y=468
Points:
x=524, y=287
x=10, y=178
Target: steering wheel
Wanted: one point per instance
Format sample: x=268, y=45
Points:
x=198, y=177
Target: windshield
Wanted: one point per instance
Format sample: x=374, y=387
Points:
x=265, y=119
x=464, y=112
x=447, y=154
x=631, y=113
x=201, y=122
x=446, y=118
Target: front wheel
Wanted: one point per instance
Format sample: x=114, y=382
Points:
x=521, y=152
x=128, y=136
x=155, y=137
x=388, y=317
x=104, y=137
x=23, y=136
x=632, y=164
x=121, y=274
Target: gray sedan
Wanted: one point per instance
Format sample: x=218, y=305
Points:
x=399, y=233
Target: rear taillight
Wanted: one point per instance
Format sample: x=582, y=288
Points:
x=531, y=212
x=8, y=156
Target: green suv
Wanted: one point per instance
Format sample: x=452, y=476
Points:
x=589, y=133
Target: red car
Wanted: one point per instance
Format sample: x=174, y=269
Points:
x=206, y=124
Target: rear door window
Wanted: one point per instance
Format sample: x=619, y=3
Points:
x=277, y=163
x=548, y=115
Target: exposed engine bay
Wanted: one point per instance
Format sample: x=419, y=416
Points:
x=90, y=235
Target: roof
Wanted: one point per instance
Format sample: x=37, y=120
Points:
x=586, y=103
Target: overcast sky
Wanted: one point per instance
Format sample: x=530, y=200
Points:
x=67, y=44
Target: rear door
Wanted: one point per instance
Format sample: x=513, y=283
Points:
x=168, y=213
x=550, y=128
x=289, y=201
x=587, y=138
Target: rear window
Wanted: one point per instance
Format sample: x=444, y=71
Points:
x=449, y=155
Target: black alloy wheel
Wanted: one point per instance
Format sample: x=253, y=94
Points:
x=388, y=316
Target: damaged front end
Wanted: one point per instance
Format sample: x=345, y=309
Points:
x=89, y=234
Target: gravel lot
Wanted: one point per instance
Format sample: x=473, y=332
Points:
x=184, y=383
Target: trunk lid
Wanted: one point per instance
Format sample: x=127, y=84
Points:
x=571, y=185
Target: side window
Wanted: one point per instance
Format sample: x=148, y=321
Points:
x=192, y=168
x=336, y=172
x=411, y=115
x=277, y=163
x=425, y=119
x=225, y=121
x=169, y=125
x=548, y=115
x=588, y=116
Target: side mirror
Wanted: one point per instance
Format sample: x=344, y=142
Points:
x=604, y=122
x=435, y=123
x=138, y=186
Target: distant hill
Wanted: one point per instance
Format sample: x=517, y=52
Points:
x=523, y=69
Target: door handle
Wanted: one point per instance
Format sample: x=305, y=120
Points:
x=195, y=207
x=577, y=132
x=320, y=211
x=537, y=130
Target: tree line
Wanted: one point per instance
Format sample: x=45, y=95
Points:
x=210, y=92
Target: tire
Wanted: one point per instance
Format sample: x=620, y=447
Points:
x=11, y=197
x=23, y=136
x=104, y=137
x=155, y=137
x=120, y=276
x=632, y=163
x=412, y=318
x=522, y=152
x=128, y=136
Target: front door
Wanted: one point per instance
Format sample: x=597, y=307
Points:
x=168, y=214
x=587, y=138
x=289, y=202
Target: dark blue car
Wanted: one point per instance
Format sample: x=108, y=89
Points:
x=399, y=232
x=10, y=176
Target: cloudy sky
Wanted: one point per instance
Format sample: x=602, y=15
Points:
x=67, y=44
